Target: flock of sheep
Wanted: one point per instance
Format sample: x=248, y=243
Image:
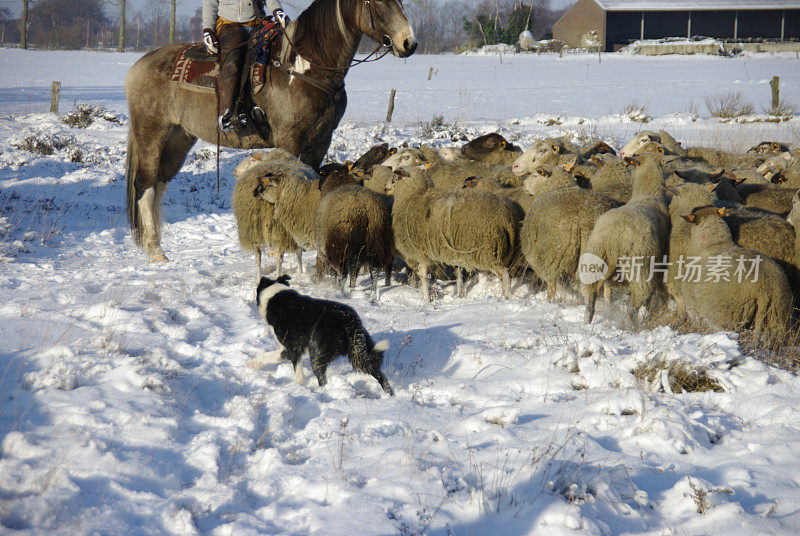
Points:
x=717, y=232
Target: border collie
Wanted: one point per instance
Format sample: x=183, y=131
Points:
x=323, y=329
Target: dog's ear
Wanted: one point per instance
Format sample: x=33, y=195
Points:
x=283, y=280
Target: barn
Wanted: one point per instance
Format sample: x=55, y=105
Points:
x=618, y=22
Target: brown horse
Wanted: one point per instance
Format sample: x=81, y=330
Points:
x=304, y=101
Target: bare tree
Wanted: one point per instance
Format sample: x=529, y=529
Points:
x=23, y=25
x=172, y=21
x=121, y=4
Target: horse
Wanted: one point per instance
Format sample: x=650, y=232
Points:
x=303, y=98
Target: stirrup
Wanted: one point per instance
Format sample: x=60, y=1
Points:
x=225, y=121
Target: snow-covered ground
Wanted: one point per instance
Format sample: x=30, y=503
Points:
x=126, y=406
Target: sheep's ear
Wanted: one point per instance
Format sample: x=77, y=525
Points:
x=322, y=172
x=681, y=174
x=630, y=161
x=717, y=174
x=428, y=165
x=712, y=187
x=776, y=146
x=691, y=218
x=543, y=172
x=778, y=179
x=350, y=166
x=796, y=198
x=737, y=182
x=722, y=211
x=503, y=144
x=284, y=280
x=556, y=148
x=660, y=149
x=391, y=151
x=599, y=162
x=569, y=166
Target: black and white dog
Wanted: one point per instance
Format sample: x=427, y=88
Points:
x=323, y=329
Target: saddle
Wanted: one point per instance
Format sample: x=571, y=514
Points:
x=197, y=70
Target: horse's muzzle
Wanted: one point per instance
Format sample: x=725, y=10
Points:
x=409, y=47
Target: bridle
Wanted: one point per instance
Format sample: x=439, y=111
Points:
x=385, y=42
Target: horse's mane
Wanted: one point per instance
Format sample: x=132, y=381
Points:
x=312, y=23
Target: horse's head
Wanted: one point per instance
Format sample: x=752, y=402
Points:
x=386, y=22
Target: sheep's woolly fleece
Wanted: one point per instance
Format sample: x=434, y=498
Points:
x=127, y=406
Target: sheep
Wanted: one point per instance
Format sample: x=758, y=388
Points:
x=613, y=178
x=766, y=233
x=770, y=148
x=552, y=151
x=431, y=226
x=637, y=230
x=405, y=157
x=519, y=196
x=767, y=197
x=491, y=149
x=333, y=175
x=255, y=219
x=450, y=176
x=640, y=139
x=251, y=160
x=374, y=156
x=686, y=198
x=729, y=161
x=557, y=226
x=352, y=229
x=440, y=154
x=740, y=297
x=293, y=188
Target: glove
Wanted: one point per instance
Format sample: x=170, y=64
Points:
x=281, y=17
x=210, y=41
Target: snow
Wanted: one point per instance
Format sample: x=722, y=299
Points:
x=127, y=407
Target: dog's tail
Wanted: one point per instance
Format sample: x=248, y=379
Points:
x=381, y=346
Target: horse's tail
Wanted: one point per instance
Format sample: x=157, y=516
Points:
x=131, y=178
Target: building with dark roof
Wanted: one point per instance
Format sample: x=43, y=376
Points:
x=618, y=22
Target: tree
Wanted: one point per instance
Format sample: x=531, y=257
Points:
x=67, y=23
x=172, y=4
x=499, y=21
x=121, y=4
x=5, y=16
x=23, y=25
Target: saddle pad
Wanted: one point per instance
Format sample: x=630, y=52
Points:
x=195, y=69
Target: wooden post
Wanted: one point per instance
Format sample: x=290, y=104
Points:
x=599, y=55
x=391, y=104
x=56, y=96
x=774, y=84
x=430, y=72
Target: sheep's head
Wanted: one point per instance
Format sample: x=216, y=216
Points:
x=375, y=155
x=415, y=175
x=652, y=149
x=769, y=148
x=700, y=214
x=249, y=162
x=487, y=144
x=541, y=152
x=405, y=158
x=268, y=185
x=642, y=138
x=449, y=154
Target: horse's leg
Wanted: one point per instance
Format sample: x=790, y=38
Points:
x=158, y=161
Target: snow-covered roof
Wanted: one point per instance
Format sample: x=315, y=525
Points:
x=695, y=5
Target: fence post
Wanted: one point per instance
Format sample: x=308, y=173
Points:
x=774, y=84
x=430, y=72
x=391, y=105
x=55, y=97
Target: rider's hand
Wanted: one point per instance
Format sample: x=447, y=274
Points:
x=281, y=17
x=210, y=40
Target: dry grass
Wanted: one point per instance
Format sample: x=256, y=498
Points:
x=783, y=109
x=637, y=111
x=779, y=350
x=728, y=105
x=683, y=377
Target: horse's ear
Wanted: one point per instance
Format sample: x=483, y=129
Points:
x=284, y=279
